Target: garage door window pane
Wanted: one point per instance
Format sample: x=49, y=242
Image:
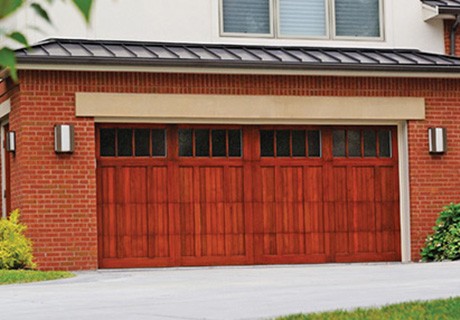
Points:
x=125, y=142
x=283, y=143
x=219, y=146
x=159, y=142
x=385, y=144
x=354, y=143
x=185, y=143
x=234, y=143
x=107, y=142
x=202, y=143
x=298, y=143
x=370, y=143
x=142, y=142
x=314, y=144
x=267, y=140
x=338, y=143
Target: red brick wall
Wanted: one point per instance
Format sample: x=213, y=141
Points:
x=447, y=28
x=57, y=193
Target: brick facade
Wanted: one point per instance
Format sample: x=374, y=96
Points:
x=57, y=194
x=447, y=29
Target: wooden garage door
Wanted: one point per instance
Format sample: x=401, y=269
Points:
x=209, y=195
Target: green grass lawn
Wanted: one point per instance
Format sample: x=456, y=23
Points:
x=23, y=276
x=436, y=309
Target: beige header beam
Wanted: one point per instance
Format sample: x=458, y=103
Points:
x=181, y=108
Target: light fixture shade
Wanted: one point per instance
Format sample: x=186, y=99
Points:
x=64, y=139
x=11, y=141
x=437, y=140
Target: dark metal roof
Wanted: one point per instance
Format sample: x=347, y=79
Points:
x=445, y=6
x=96, y=52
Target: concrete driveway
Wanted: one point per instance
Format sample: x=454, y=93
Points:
x=227, y=292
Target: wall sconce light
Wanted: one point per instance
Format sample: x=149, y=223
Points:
x=11, y=141
x=437, y=140
x=64, y=139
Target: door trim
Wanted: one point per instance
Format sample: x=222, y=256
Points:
x=3, y=160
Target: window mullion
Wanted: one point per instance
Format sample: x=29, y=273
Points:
x=275, y=18
x=331, y=17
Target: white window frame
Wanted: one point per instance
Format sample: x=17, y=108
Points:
x=381, y=25
x=275, y=25
x=247, y=35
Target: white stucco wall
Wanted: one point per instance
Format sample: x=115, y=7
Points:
x=198, y=21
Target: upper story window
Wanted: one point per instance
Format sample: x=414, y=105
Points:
x=337, y=19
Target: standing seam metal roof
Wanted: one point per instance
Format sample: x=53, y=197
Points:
x=97, y=52
x=444, y=6
x=442, y=3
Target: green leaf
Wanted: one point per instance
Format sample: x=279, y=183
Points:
x=18, y=37
x=41, y=12
x=8, y=60
x=85, y=8
x=7, y=7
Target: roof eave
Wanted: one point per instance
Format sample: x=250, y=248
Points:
x=63, y=63
x=449, y=10
x=431, y=12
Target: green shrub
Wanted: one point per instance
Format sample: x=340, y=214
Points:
x=444, y=243
x=15, y=248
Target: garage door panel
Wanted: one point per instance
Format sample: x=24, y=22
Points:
x=361, y=184
x=212, y=216
x=139, y=230
x=158, y=184
x=386, y=212
x=123, y=218
x=365, y=242
x=314, y=216
x=342, y=242
x=186, y=186
x=235, y=185
x=363, y=216
x=109, y=247
x=212, y=236
x=337, y=189
x=188, y=211
x=362, y=229
x=107, y=185
x=107, y=210
x=132, y=212
x=290, y=228
x=211, y=184
x=267, y=185
x=158, y=212
x=291, y=180
x=387, y=184
x=316, y=243
x=388, y=229
x=314, y=228
x=158, y=230
x=340, y=218
x=267, y=221
x=313, y=184
x=235, y=232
